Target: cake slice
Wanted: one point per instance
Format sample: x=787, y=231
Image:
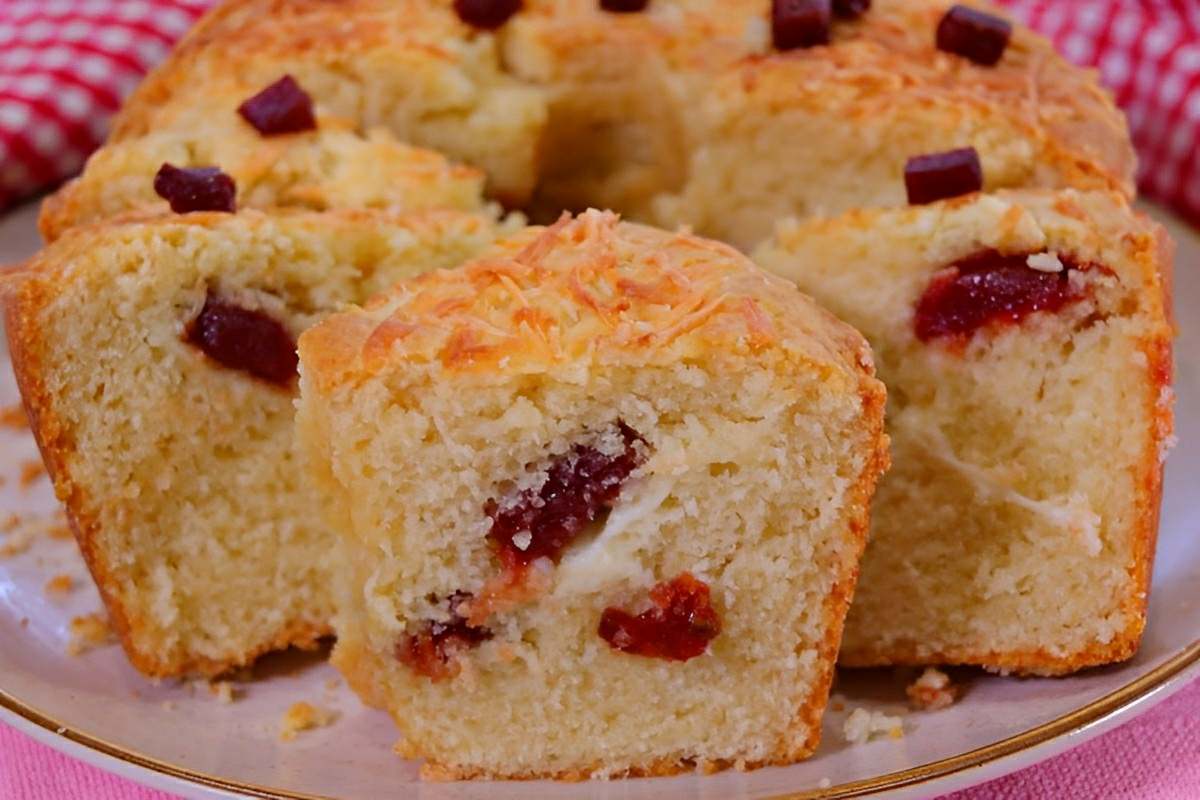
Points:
x=328, y=168
x=1026, y=344
x=156, y=358
x=602, y=495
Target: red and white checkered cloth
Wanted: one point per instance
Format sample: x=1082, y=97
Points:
x=66, y=64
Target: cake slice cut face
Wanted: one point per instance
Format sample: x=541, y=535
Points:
x=157, y=360
x=1026, y=344
x=601, y=494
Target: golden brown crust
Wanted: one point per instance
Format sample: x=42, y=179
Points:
x=330, y=168
x=1037, y=119
x=535, y=302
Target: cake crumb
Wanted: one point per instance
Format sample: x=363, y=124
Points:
x=332, y=684
x=863, y=725
x=24, y=622
x=31, y=471
x=89, y=632
x=302, y=717
x=168, y=705
x=17, y=541
x=224, y=691
x=13, y=417
x=59, y=585
x=59, y=529
x=21, y=532
x=931, y=691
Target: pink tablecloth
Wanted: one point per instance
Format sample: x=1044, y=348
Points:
x=1154, y=757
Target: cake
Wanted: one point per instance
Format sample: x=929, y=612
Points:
x=156, y=358
x=721, y=115
x=602, y=494
x=317, y=170
x=1025, y=339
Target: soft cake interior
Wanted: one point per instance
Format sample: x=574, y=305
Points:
x=180, y=474
x=1015, y=528
x=747, y=480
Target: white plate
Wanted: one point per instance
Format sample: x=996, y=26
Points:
x=97, y=708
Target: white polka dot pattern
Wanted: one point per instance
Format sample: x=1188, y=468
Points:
x=66, y=64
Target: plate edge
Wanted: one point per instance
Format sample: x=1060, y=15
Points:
x=1089, y=718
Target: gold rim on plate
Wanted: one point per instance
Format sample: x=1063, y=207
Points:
x=1069, y=723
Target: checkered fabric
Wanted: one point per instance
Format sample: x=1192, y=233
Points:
x=1148, y=54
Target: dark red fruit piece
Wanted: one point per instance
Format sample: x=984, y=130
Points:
x=678, y=627
x=974, y=34
x=246, y=340
x=800, y=23
x=579, y=485
x=850, y=8
x=486, y=14
x=282, y=107
x=195, y=189
x=624, y=6
x=432, y=650
x=989, y=288
x=937, y=176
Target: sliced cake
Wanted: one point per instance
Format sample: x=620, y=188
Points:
x=602, y=495
x=157, y=360
x=1025, y=341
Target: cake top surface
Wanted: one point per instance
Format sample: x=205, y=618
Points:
x=587, y=289
x=710, y=48
x=911, y=244
x=357, y=239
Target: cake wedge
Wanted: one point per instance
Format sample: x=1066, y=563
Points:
x=156, y=358
x=605, y=488
x=1025, y=339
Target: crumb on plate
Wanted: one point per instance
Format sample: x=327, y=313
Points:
x=20, y=532
x=59, y=585
x=863, y=725
x=31, y=471
x=13, y=417
x=89, y=632
x=224, y=691
x=302, y=717
x=931, y=691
